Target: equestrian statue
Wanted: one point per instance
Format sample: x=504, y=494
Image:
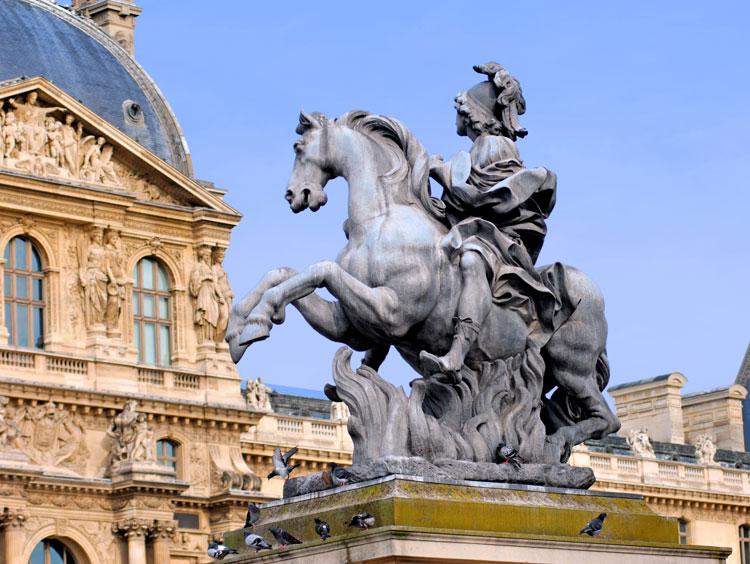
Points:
x=507, y=352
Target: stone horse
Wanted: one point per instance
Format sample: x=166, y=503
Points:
x=396, y=285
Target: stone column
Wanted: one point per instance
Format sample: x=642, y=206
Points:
x=135, y=530
x=162, y=534
x=11, y=523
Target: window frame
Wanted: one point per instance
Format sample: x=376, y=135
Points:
x=141, y=320
x=163, y=459
x=744, y=538
x=68, y=555
x=683, y=533
x=12, y=301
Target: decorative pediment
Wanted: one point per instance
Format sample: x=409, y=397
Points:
x=46, y=133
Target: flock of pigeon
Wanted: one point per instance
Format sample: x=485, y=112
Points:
x=339, y=476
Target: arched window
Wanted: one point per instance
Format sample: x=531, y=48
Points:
x=166, y=453
x=745, y=544
x=24, y=294
x=51, y=551
x=152, y=322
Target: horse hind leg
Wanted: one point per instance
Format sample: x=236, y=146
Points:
x=572, y=356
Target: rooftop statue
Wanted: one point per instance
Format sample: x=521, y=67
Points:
x=508, y=352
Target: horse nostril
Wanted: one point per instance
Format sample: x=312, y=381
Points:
x=289, y=196
x=306, y=195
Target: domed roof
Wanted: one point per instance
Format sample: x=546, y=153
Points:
x=40, y=38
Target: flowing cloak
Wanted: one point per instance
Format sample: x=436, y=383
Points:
x=498, y=209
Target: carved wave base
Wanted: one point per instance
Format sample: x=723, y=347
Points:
x=549, y=475
x=451, y=429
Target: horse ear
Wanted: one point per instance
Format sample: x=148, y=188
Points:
x=306, y=122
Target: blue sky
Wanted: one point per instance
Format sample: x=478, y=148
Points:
x=641, y=108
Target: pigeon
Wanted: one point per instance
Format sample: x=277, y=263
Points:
x=218, y=551
x=594, y=527
x=340, y=476
x=283, y=538
x=506, y=454
x=281, y=466
x=322, y=529
x=252, y=516
x=257, y=542
x=363, y=520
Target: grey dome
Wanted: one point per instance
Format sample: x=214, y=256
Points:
x=40, y=38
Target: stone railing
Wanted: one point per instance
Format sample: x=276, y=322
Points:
x=63, y=368
x=636, y=470
x=302, y=431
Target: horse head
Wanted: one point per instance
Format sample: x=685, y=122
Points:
x=312, y=167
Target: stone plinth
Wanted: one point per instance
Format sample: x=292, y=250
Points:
x=421, y=521
x=141, y=471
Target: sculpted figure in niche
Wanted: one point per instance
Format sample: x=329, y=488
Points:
x=116, y=279
x=208, y=299
x=9, y=431
x=131, y=437
x=640, y=444
x=225, y=290
x=144, y=447
x=94, y=278
x=10, y=134
x=705, y=449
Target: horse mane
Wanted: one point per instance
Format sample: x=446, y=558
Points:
x=395, y=133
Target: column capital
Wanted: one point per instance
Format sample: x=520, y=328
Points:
x=163, y=530
x=131, y=527
x=12, y=518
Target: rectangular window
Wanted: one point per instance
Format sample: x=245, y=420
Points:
x=36, y=284
x=9, y=321
x=745, y=544
x=137, y=339
x=22, y=325
x=164, y=356
x=38, y=327
x=149, y=343
x=148, y=306
x=20, y=253
x=7, y=288
x=22, y=287
x=683, y=531
x=187, y=520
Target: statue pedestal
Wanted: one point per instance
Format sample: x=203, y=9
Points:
x=458, y=522
x=141, y=471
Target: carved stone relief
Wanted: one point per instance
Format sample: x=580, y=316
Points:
x=52, y=437
x=34, y=141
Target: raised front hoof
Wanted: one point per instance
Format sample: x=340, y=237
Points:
x=434, y=365
x=254, y=332
x=236, y=350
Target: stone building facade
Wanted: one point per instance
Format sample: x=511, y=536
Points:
x=125, y=436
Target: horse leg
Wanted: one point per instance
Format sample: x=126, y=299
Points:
x=375, y=306
x=473, y=307
x=324, y=316
x=572, y=354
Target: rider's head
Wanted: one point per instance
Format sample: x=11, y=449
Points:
x=491, y=107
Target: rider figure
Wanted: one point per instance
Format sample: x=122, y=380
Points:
x=497, y=211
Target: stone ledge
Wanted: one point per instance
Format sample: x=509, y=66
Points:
x=480, y=515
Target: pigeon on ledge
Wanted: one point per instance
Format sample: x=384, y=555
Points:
x=218, y=551
x=363, y=520
x=322, y=529
x=257, y=542
x=283, y=538
x=594, y=527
